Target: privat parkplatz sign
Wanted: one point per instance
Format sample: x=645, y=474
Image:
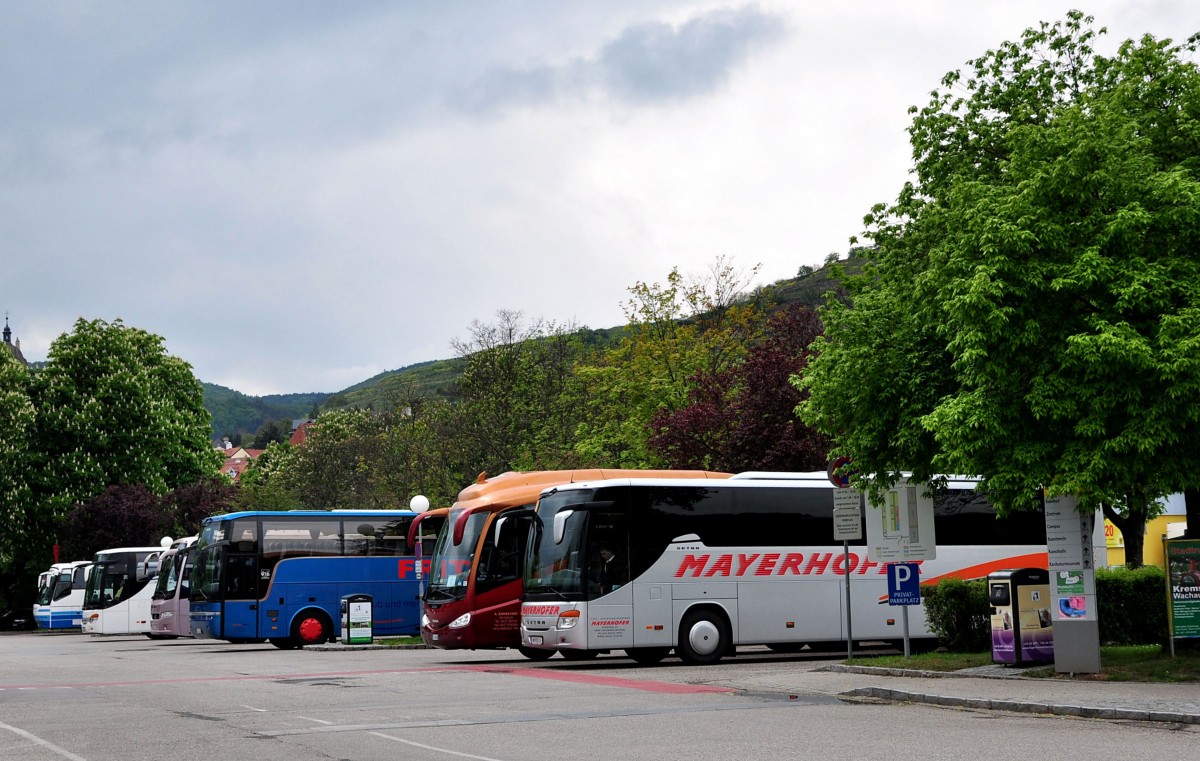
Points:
x=904, y=583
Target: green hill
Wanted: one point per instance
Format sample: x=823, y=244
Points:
x=234, y=412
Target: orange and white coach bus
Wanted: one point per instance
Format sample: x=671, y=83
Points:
x=473, y=596
x=710, y=565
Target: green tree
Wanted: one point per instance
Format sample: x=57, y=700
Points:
x=679, y=331
x=264, y=485
x=20, y=544
x=270, y=431
x=334, y=467
x=519, y=399
x=114, y=408
x=1033, y=312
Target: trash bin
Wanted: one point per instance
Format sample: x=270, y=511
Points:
x=358, y=619
x=1022, y=629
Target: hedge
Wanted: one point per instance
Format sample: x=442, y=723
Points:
x=1131, y=606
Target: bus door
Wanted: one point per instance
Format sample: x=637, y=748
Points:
x=497, y=583
x=610, y=615
x=239, y=578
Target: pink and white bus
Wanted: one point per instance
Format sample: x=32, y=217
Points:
x=169, y=607
x=702, y=567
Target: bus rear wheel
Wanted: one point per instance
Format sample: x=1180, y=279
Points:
x=311, y=628
x=648, y=656
x=534, y=653
x=703, y=638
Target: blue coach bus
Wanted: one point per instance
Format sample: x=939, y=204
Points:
x=279, y=576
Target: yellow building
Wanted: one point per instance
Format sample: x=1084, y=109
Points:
x=1171, y=523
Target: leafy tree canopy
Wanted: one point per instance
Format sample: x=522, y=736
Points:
x=1032, y=315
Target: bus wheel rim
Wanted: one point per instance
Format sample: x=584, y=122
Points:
x=704, y=638
x=311, y=630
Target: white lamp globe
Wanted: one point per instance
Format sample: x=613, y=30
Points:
x=419, y=503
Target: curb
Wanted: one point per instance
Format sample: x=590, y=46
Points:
x=1016, y=706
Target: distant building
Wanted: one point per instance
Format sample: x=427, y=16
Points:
x=300, y=431
x=15, y=348
x=238, y=460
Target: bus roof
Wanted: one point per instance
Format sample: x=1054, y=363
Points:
x=516, y=488
x=311, y=513
x=814, y=480
x=115, y=550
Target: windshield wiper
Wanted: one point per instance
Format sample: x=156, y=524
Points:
x=552, y=590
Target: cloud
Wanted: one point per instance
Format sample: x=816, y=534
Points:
x=648, y=63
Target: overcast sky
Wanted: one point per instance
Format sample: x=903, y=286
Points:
x=299, y=195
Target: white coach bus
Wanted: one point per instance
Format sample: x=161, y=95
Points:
x=119, y=591
x=702, y=566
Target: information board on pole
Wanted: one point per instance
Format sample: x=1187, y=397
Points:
x=900, y=527
x=847, y=515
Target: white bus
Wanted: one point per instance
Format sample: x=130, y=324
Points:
x=60, y=595
x=118, y=596
x=169, y=606
x=702, y=566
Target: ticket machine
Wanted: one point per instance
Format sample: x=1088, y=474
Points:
x=1022, y=628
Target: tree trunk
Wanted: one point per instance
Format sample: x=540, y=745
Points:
x=1132, y=527
x=1191, y=498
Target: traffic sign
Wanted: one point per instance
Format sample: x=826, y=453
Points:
x=839, y=479
x=904, y=583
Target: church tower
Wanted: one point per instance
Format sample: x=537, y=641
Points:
x=8, y=342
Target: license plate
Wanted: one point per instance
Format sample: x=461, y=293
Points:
x=535, y=639
x=435, y=638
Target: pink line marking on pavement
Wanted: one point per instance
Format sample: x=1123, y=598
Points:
x=673, y=688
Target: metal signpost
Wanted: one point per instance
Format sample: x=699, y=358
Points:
x=847, y=527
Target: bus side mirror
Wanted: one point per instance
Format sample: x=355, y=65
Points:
x=560, y=525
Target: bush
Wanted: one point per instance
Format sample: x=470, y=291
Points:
x=957, y=612
x=1132, y=605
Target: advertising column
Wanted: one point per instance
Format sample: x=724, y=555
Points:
x=1069, y=546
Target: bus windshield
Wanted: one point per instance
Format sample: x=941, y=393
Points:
x=168, y=576
x=114, y=579
x=448, y=577
x=555, y=562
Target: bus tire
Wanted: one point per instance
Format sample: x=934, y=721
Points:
x=703, y=637
x=283, y=643
x=579, y=655
x=311, y=627
x=535, y=653
x=648, y=656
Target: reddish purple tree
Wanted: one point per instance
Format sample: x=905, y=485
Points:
x=121, y=516
x=744, y=418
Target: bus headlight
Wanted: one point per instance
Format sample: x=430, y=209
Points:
x=424, y=620
x=461, y=621
x=568, y=619
x=166, y=614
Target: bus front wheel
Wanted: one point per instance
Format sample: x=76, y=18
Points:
x=311, y=628
x=535, y=653
x=703, y=638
